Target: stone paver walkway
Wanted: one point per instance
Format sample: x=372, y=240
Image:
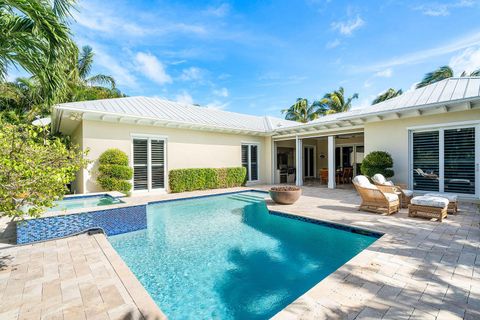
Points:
x=419, y=270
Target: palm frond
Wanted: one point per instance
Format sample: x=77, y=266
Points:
x=441, y=73
x=85, y=61
x=102, y=79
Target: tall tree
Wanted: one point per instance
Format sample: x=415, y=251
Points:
x=84, y=67
x=441, y=73
x=303, y=111
x=336, y=101
x=35, y=36
x=389, y=94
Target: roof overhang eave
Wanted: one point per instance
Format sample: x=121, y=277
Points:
x=58, y=112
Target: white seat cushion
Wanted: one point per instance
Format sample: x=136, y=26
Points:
x=391, y=197
x=429, y=201
x=363, y=182
x=407, y=192
x=379, y=178
x=449, y=196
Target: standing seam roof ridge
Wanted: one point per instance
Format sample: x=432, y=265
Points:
x=441, y=93
x=453, y=91
x=466, y=88
x=433, y=90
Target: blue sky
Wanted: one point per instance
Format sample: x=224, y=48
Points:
x=258, y=57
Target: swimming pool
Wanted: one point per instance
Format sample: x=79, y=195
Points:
x=79, y=202
x=227, y=257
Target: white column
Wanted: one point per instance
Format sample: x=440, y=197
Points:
x=299, y=162
x=274, y=162
x=331, y=162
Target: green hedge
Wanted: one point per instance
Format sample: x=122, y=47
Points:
x=114, y=171
x=181, y=180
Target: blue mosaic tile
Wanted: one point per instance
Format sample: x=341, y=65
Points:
x=112, y=221
x=366, y=232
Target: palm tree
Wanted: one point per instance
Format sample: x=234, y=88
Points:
x=35, y=36
x=302, y=111
x=336, y=102
x=389, y=94
x=441, y=73
x=84, y=67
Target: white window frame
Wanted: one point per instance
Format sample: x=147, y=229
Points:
x=249, y=144
x=149, y=138
x=441, y=158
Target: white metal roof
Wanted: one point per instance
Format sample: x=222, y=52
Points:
x=161, y=111
x=444, y=96
x=437, y=96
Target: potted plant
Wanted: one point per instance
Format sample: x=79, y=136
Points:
x=285, y=194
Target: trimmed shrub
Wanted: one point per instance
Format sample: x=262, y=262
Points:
x=114, y=171
x=377, y=162
x=181, y=180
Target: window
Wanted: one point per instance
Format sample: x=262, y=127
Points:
x=148, y=163
x=444, y=160
x=250, y=160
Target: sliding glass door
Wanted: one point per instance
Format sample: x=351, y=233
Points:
x=148, y=164
x=445, y=160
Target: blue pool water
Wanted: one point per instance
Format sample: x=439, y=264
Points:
x=84, y=202
x=227, y=257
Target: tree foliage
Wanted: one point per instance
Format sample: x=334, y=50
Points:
x=114, y=171
x=389, y=94
x=377, y=162
x=35, y=169
x=303, y=111
x=336, y=101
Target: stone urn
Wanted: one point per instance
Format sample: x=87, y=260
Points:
x=285, y=195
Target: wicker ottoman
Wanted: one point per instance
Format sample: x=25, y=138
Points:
x=452, y=200
x=428, y=207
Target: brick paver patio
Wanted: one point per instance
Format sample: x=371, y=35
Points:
x=419, y=270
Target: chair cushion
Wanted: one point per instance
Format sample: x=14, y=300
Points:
x=430, y=201
x=407, y=192
x=363, y=182
x=391, y=197
x=389, y=183
x=449, y=196
x=379, y=178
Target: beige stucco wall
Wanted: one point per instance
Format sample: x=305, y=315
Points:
x=392, y=136
x=185, y=148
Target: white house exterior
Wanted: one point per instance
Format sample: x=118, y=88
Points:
x=435, y=128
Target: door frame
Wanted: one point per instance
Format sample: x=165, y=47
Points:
x=314, y=147
x=354, y=145
x=441, y=161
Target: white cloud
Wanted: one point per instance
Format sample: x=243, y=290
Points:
x=217, y=105
x=152, y=68
x=223, y=92
x=347, y=27
x=424, y=55
x=184, y=97
x=333, y=44
x=435, y=9
x=387, y=73
x=467, y=60
x=220, y=11
x=191, y=74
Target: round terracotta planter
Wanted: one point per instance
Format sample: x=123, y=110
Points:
x=285, y=196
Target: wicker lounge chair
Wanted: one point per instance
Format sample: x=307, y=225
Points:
x=376, y=199
x=405, y=194
x=428, y=207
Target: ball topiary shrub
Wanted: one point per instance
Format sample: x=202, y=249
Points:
x=114, y=172
x=377, y=162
